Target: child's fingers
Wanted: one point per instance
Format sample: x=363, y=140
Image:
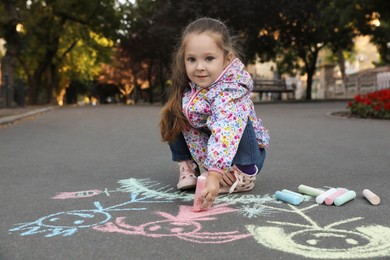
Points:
x=207, y=200
x=207, y=203
x=228, y=179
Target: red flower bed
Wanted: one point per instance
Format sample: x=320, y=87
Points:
x=372, y=105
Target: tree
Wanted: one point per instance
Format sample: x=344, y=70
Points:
x=124, y=73
x=35, y=33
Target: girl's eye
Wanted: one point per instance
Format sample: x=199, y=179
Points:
x=190, y=59
x=209, y=58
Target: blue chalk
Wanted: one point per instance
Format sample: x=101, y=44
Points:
x=288, y=197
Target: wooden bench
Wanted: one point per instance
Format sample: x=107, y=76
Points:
x=277, y=86
x=272, y=86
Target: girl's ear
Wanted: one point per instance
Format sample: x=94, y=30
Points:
x=228, y=59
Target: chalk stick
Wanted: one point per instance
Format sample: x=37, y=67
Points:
x=200, y=184
x=349, y=195
x=288, y=197
x=321, y=198
x=309, y=190
x=371, y=197
x=295, y=193
x=329, y=200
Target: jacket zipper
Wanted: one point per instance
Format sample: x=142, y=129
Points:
x=186, y=108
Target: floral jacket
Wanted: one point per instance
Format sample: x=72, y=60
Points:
x=218, y=116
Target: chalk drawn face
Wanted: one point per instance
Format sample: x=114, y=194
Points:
x=79, y=219
x=169, y=228
x=333, y=239
x=364, y=242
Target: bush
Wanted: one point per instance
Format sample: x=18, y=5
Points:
x=371, y=105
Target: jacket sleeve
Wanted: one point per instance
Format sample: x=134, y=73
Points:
x=197, y=143
x=229, y=115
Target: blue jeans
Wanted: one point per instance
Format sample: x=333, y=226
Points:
x=248, y=151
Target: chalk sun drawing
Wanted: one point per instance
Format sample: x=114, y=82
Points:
x=69, y=222
x=312, y=241
x=186, y=225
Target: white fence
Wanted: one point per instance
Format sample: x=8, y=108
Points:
x=362, y=82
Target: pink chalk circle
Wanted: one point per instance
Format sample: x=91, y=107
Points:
x=329, y=200
x=371, y=197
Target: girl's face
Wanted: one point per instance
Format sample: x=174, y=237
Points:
x=204, y=60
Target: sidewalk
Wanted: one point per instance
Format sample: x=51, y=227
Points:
x=11, y=115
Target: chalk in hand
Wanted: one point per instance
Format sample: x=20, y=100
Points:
x=349, y=195
x=329, y=200
x=309, y=190
x=200, y=184
x=288, y=197
x=321, y=198
x=371, y=197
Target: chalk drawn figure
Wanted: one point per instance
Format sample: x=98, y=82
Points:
x=186, y=225
x=69, y=222
x=326, y=242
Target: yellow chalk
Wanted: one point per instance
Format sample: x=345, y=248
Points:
x=371, y=197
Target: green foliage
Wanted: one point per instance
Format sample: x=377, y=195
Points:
x=51, y=32
x=59, y=41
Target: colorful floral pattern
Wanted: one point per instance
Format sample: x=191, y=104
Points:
x=218, y=116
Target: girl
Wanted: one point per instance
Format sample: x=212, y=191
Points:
x=209, y=119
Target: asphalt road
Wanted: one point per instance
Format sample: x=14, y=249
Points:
x=97, y=183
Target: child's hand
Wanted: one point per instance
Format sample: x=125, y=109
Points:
x=211, y=190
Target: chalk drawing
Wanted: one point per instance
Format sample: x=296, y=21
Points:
x=69, y=222
x=77, y=194
x=307, y=239
x=185, y=225
x=149, y=189
x=313, y=241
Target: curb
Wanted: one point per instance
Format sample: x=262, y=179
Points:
x=11, y=119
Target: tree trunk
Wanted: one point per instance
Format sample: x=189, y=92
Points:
x=310, y=66
x=150, y=75
x=342, y=65
x=11, y=37
x=8, y=79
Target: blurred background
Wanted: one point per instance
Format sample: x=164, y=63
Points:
x=63, y=52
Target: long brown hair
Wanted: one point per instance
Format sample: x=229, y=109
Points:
x=173, y=120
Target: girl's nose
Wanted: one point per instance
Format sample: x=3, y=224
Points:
x=200, y=66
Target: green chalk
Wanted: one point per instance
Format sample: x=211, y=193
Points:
x=309, y=190
x=349, y=195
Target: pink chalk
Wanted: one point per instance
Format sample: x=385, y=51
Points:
x=200, y=184
x=329, y=200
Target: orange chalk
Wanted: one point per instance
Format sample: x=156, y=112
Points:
x=371, y=197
